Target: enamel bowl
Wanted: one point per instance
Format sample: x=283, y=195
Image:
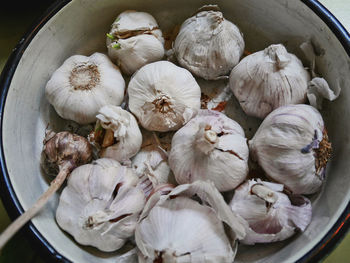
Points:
x=79, y=27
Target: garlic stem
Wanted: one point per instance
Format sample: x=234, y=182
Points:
x=206, y=140
x=39, y=204
x=264, y=193
x=211, y=136
x=67, y=151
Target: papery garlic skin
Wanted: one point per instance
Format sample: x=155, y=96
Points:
x=270, y=214
x=151, y=165
x=292, y=147
x=82, y=85
x=151, y=162
x=125, y=130
x=268, y=79
x=101, y=204
x=213, y=147
x=163, y=96
x=134, y=41
x=175, y=228
x=208, y=45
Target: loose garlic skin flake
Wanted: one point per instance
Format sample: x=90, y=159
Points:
x=163, y=96
x=269, y=213
x=82, y=85
x=134, y=41
x=208, y=45
x=212, y=147
x=292, y=147
x=101, y=204
x=125, y=130
x=268, y=79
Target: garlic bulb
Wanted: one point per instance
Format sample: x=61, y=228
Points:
x=82, y=85
x=134, y=41
x=270, y=214
x=100, y=205
x=176, y=228
x=117, y=133
x=212, y=147
x=208, y=45
x=64, y=149
x=163, y=96
x=268, y=79
x=292, y=147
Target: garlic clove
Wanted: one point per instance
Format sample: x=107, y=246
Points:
x=82, y=85
x=101, y=204
x=208, y=45
x=163, y=96
x=268, y=79
x=269, y=213
x=125, y=137
x=210, y=147
x=134, y=41
x=292, y=147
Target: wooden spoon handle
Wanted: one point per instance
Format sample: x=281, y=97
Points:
x=31, y=212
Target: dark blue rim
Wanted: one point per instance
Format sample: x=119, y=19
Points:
x=7, y=193
x=9, y=197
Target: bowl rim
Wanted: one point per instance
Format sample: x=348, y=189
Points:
x=9, y=197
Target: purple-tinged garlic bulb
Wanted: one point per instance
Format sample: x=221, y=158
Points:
x=271, y=215
x=175, y=228
x=268, y=79
x=100, y=205
x=163, y=96
x=134, y=41
x=208, y=45
x=82, y=85
x=212, y=147
x=117, y=133
x=292, y=147
x=64, y=149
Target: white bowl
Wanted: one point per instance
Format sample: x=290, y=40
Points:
x=79, y=27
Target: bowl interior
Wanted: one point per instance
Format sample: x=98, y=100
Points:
x=80, y=28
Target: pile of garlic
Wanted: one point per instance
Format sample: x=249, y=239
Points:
x=166, y=153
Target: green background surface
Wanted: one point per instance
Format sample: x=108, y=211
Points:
x=15, y=20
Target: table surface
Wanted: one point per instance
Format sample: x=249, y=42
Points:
x=14, y=21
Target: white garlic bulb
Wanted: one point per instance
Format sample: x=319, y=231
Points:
x=208, y=45
x=117, y=133
x=134, y=41
x=101, y=204
x=292, y=147
x=270, y=214
x=175, y=228
x=82, y=85
x=268, y=79
x=163, y=96
x=213, y=147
